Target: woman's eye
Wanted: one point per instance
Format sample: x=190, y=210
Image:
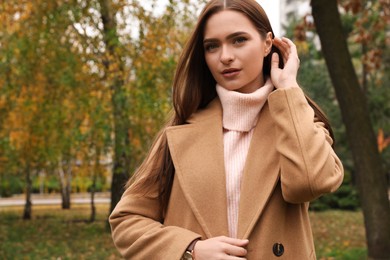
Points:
x=210, y=47
x=240, y=40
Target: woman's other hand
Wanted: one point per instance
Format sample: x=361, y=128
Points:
x=286, y=77
x=220, y=248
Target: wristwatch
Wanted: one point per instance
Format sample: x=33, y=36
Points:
x=189, y=253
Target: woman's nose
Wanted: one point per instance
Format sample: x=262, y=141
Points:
x=226, y=55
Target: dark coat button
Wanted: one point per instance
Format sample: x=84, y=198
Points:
x=278, y=249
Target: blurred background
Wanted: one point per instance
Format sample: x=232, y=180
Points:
x=85, y=86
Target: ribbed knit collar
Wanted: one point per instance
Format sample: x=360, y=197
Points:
x=240, y=111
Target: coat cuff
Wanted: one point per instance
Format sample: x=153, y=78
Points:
x=281, y=99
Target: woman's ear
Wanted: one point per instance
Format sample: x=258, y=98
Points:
x=268, y=43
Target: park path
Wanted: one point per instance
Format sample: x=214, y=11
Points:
x=54, y=199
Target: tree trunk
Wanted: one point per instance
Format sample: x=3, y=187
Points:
x=93, y=186
x=41, y=182
x=68, y=187
x=65, y=176
x=120, y=104
x=121, y=161
x=28, y=206
x=371, y=178
x=93, y=207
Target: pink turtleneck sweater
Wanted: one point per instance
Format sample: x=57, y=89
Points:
x=240, y=115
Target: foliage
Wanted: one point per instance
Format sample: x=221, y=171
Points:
x=153, y=57
x=367, y=25
x=10, y=185
x=57, y=100
x=46, y=88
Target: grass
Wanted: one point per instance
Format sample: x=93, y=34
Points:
x=54, y=233
x=339, y=235
x=59, y=234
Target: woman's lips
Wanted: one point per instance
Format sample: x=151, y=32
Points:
x=230, y=73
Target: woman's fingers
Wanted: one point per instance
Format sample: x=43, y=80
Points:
x=287, y=49
x=292, y=48
x=286, y=77
x=291, y=45
x=233, y=241
x=275, y=61
x=283, y=48
x=234, y=246
x=235, y=250
x=280, y=44
x=221, y=248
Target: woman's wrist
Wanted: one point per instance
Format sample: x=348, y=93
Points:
x=292, y=84
x=190, y=249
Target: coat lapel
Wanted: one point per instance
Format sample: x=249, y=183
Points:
x=197, y=153
x=260, y=176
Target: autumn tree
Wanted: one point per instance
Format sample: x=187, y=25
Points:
x=50, y=89
x=94, y=79
x=23, y=96
x=114, y=74
x=371, y=178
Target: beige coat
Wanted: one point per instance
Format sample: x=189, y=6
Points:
x=290, y=162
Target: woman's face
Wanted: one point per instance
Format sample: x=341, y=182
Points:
x=234, y=51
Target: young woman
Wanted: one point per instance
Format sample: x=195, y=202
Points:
x=232, y=175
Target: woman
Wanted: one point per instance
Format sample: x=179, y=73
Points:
x=232, y=175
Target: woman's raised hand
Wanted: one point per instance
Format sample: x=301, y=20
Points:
x=286, y=77
x=220, y=248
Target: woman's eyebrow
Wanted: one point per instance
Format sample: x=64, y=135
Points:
x=230, y=36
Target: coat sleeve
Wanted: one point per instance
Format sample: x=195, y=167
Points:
x=309, y=165
x=138, y=231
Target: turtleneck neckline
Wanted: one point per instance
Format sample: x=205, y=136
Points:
x=241, y=110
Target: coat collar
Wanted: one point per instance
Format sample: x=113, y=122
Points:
x=197, y=152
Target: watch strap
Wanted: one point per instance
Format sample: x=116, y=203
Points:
x=190, y=248
x=189, y=253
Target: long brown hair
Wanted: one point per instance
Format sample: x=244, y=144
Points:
x=193, y=89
